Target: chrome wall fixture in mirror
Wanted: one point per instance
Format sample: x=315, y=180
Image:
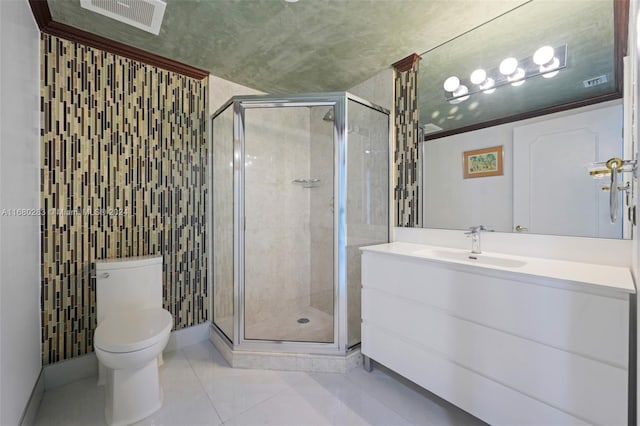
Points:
x=544, y=83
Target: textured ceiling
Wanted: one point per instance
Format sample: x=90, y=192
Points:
x=587, y=30
x=308, y=46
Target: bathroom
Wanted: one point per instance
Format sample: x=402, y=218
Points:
x=113, y=146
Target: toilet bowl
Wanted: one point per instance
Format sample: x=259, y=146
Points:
x=128, y=345
x=132, y=332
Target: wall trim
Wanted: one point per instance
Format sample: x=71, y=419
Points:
x=188, y=336
x=405, y=64
x=71, y=370
x=31, y=410
x=42, y=15
x=82, y=367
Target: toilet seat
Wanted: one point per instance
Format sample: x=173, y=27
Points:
x=135, y=330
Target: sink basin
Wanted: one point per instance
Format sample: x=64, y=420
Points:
x=471, y=258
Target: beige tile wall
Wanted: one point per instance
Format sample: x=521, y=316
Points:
x=123, y=173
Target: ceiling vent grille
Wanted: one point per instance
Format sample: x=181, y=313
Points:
x=430, y=128
x=144, y=14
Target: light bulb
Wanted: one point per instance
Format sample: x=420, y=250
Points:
x=517, y=77
x=451, y=84
x=508, y=66
x=488, y=86
x=550, y=65
x=460, y=91
x=543, y=55
x=478, y=76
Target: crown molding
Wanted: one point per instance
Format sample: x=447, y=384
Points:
x=42, y=15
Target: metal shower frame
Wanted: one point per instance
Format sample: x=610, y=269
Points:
x=339, y=101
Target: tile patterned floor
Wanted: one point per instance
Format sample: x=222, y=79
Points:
x=201, y=389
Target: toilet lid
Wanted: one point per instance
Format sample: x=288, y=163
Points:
x=131, y=331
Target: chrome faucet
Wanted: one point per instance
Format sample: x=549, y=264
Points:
x=474, y=233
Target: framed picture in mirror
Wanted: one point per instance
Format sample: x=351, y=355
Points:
x=483, y=162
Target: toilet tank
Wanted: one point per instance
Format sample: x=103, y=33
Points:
x=128, y=283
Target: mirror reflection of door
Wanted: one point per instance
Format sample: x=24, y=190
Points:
x=550, y=160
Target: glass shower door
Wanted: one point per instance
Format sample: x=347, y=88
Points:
x=367, y=198
x=289, y=224
x=222, y=181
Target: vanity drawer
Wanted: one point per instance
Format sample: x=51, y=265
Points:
x=586, y=324
x=553, y=376
x=549, y=354
x=484, y=398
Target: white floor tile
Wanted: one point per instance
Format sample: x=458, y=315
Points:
x=80, y=403
x=192, y=411
x=420, y=408
x=200, y=388
x=236, y=390
x=178, y=379
x=343, y=403
x=287, y=409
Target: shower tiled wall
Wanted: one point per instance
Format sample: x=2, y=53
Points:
x=406, y=142
x=277, y=239
x=123, y=173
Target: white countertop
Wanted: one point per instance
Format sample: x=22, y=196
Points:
x=613, y=278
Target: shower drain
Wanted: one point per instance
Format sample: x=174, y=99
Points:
x=303, y=320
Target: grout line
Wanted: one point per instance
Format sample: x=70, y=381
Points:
x=414, y=390
x=382, y=401
x=202, y=384
x=269, y=398
x=289, y=385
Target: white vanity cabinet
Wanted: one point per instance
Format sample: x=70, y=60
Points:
x=511, y=348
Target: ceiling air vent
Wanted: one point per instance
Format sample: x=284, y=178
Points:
x=144, y=14
x=430, y=128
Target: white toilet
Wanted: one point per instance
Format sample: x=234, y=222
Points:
x=132, y=331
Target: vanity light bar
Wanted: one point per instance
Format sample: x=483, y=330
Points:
x=511, y=71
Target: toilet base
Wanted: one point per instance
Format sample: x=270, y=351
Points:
x=132, y=394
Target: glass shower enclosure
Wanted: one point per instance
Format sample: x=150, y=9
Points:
x=299, y=183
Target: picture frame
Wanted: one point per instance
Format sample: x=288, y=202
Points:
x=483, y=162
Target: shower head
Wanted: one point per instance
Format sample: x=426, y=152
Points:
x=329, y=115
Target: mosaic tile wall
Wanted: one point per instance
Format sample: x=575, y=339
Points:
x=406, y=189
x=123, y=173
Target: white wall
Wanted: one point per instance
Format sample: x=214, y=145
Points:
x=221, y=90
x=378, y=89
x=20, y=358
x=487, y=200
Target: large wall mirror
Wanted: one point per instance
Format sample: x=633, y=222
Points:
x=515, y=112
